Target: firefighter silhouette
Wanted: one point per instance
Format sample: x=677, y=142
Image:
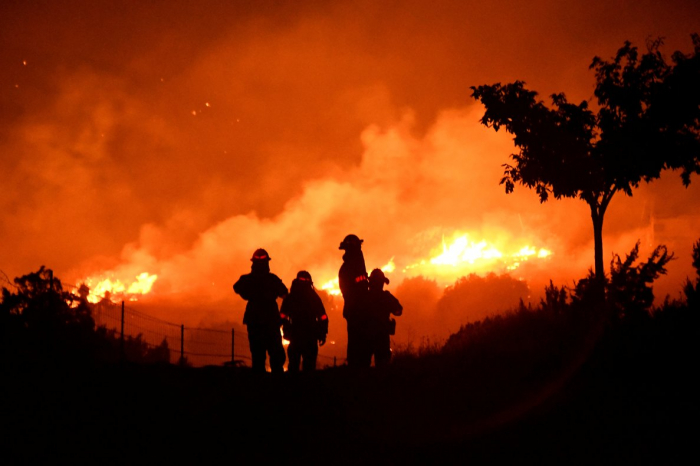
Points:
x=352, y=279
x=262, y=317
x=381, y=305
x=304, y=323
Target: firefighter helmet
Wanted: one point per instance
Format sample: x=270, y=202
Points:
x=304, y=276
x=351, y=241
x=260, y=255
x=378, y=275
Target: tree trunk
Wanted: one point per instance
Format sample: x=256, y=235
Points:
x=597, y=217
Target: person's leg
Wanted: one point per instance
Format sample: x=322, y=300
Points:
x=310, y=355
x=382, y=351
x=352, y=358
x=256, y=341
x=363, y=344
x=276, y=350
x=294, y=354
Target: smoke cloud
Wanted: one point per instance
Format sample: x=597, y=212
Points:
x=150, y=141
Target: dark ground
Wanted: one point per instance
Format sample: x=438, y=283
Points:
x=632, y=399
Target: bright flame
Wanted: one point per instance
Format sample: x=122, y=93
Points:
x=143, y=283
x=461, y=250
x=389, y=267
x=332, y=287
x=117, y=289
x=463, y=255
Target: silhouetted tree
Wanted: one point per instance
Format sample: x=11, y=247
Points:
x=42, y=322
x=692, y=290
x=555, y=299
x=647, y=120
x=630, y=290
x=41, y=318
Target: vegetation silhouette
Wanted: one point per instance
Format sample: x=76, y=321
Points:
x=560, y=381
x=692, y=290
x=647, y=120
x=44, y=324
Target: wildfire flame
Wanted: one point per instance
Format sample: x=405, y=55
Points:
x=461, y=256
x=332, y=287
x=116, y=289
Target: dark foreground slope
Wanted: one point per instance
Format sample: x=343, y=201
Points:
x=629, y=397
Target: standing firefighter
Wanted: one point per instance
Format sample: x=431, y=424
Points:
x=305, y=323
x=352, y=279
x=381, y=304
x=261, y=289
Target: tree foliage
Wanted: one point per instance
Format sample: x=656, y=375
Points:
x=43, y=322
x=646, y=120
x=692, y=289
x=630, y=289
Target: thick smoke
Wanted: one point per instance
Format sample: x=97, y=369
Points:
x=407, y=193
x=143, y=140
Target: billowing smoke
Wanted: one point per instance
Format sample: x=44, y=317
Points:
x=145, y=141
x=405, y=196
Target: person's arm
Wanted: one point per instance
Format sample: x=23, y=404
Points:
x=281, y=291
x=393, y=304
x=321, y=318
x=241, y=287
x=285, y=317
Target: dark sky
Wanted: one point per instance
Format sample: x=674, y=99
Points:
x=176, y=137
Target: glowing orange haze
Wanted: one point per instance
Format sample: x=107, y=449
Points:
x=427, y=207
x=162, y=164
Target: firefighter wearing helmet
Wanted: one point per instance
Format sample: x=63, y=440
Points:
x=381, y=305
x=261, y=288
x=304, y=323
x=352, y=279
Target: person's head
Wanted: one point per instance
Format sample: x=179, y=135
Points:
x=351, y=243
x=305, y=277
x=302, y=282
x=377, y=280
x=261, y=260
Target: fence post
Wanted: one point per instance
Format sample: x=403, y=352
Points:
x=233, y=356
x=121, y=336
x=182, y=344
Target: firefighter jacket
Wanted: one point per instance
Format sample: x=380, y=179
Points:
x=352, y=279
x=381, y=305
x=261, y=289
x=303, y=314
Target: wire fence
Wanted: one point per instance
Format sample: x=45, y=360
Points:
x=193, y=346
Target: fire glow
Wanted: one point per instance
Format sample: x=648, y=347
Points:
x=462, y=255
x=116, y=289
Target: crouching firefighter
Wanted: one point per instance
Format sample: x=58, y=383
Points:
x=262, y=317
x=381, y=305
x=304, y=323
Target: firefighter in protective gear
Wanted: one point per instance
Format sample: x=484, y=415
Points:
x=262, y=317
x=304, y=323
x=352, y=279
x=381, y=305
